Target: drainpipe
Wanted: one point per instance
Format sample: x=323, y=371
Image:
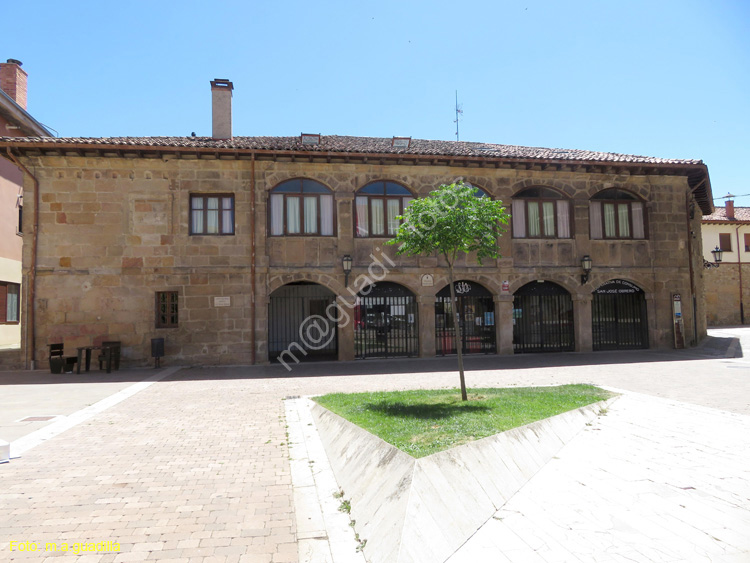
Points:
x=30, y=318
x=739, y=267
x=252, y=258
x=690, y=266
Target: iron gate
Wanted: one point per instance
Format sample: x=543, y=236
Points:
x=542, y=319
x=476, y=319
x=386, y=322
x=298, y=323
x=618, y=317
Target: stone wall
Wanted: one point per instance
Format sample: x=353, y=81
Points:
x=722, y=294
x=113, y=231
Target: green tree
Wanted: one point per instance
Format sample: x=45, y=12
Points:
x=453, y=218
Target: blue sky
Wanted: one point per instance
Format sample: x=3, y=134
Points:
x=667, y=78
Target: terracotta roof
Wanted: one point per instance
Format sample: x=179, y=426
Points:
x=374, y=145
x=741, y=215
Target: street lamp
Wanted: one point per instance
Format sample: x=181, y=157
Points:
x=346, y=263
x=586, y=264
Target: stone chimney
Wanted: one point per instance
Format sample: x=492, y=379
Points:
x=730, y=209
x=13, y=81
x=221, y=99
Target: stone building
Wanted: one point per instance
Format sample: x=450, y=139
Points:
x=233, y=248
x=728, y=286
x=15, y=121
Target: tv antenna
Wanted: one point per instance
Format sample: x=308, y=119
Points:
x=459, y=112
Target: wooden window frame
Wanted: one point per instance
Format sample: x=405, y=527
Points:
x=385, y=197
x=4, y=303
x=728, y=238
x=747, y=242
x=301, y=195
x=205, y=197
x=540, y=201
x=616, y=203
x=173, y=319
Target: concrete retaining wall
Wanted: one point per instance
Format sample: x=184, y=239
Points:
x=422, y=510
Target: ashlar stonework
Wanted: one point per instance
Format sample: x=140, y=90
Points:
x=113, y=230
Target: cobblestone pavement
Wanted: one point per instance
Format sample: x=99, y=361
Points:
x=196, y=468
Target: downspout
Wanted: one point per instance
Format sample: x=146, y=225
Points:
x=739, y=267
x=252, y=258
x=30, y=317
x=690, y=266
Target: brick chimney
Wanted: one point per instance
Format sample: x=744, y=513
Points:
x=13, y=81
x=730, y=209
x=221, y=99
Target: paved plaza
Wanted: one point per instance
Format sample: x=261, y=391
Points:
x=194, y=464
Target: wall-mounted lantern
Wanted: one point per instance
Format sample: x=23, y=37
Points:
x=586, y=264
x=718, y=255
x=346, y=263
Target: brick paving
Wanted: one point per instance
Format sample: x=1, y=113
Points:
x=196, y=468
x=185, y=471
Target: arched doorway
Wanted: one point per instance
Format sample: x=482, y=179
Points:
x=386, y=322
x=618, y=317
x=298, y=323
x=542, y=319
x=477, y=319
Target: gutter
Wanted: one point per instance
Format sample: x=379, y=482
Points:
x=739, y=267
x=31, y=322
x=252, y=260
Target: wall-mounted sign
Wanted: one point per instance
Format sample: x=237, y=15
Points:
x=427, y=280
x=506, y=286
x=222, y=301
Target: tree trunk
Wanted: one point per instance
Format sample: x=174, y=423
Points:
x=459, y=336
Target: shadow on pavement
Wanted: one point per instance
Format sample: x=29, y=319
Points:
x=711, y=348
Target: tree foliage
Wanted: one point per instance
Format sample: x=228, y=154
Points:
x=455, y=218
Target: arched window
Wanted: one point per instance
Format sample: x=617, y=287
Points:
x=377, y=205
x=301, y=207
x=541, y=213
x=616, y=214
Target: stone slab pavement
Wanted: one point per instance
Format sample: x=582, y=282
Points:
x=196, y=467
x=653, y=480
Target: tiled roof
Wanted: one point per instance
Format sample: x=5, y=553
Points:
x=361, y=145
x=741, y=214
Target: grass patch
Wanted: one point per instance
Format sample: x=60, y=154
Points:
x=423, y=422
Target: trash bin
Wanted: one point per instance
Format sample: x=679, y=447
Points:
x=157, y=350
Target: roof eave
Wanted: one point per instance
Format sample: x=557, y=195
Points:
x=697, y=173
x=22, y=118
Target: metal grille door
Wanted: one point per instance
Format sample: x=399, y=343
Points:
x=298, y=323
x=386, y=322
x=543, y=319
x=619, y=318
x=477, y=320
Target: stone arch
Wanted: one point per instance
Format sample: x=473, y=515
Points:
x=280, y=178
x=565, y=188
x=413, y=285
x=386, y=179
x=568, y=283
x=329, y=282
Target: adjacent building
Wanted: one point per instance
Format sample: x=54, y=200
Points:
x=728, y=286
x=241, y=250
x=15, y=121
